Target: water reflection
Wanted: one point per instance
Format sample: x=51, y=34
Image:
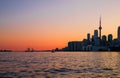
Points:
x=60, y=65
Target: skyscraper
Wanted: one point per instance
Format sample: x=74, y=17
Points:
x=88, y=39
x=96, y=38
x=104, y=40
x=95, y=33
x=119, y=33
x=110, y=38
x=88, y=36
x=100, y=28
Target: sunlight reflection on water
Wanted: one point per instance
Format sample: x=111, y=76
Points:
x=60, y=65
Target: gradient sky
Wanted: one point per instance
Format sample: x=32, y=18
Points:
x=47, y=24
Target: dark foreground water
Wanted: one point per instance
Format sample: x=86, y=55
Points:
x=60, y=65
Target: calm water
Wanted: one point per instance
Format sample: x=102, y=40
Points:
x=60, y=65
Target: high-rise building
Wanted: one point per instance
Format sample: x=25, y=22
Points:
x=104, y=40
x=88, y=36
x=119, y=33
x=96, y=38
x=100, y=28
x=95, y=33
x=88, y=39
x=110, y=38
x=92, y=40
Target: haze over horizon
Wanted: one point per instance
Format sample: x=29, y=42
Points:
x=47, y=24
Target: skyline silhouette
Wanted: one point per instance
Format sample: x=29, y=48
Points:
x=98, y=42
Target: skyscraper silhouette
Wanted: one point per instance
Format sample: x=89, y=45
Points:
x=100, y=28
x=88, y=36
x=97, y=42
x=110, y=38
x=118, y=33
x=95, y=33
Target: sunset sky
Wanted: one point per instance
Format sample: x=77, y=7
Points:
x=47, y=24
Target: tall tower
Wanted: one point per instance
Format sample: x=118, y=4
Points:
x=100, y=28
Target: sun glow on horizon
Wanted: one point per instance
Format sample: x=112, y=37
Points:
x=52, y=24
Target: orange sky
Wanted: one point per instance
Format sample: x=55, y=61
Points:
x=50, y=24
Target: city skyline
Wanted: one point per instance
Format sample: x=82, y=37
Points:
x=95, y=42
x=50, y=24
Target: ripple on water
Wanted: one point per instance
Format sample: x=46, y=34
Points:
x=8, y=74
x=94, y=70
x=60, y=65
x=53, y=70
x=37, y=70
x=107, y=69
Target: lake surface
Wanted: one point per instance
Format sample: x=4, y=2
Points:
x=60, y=64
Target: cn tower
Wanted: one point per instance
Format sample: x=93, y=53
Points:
x=100, y=28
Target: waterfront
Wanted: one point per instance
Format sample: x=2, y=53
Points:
x=60, y=64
